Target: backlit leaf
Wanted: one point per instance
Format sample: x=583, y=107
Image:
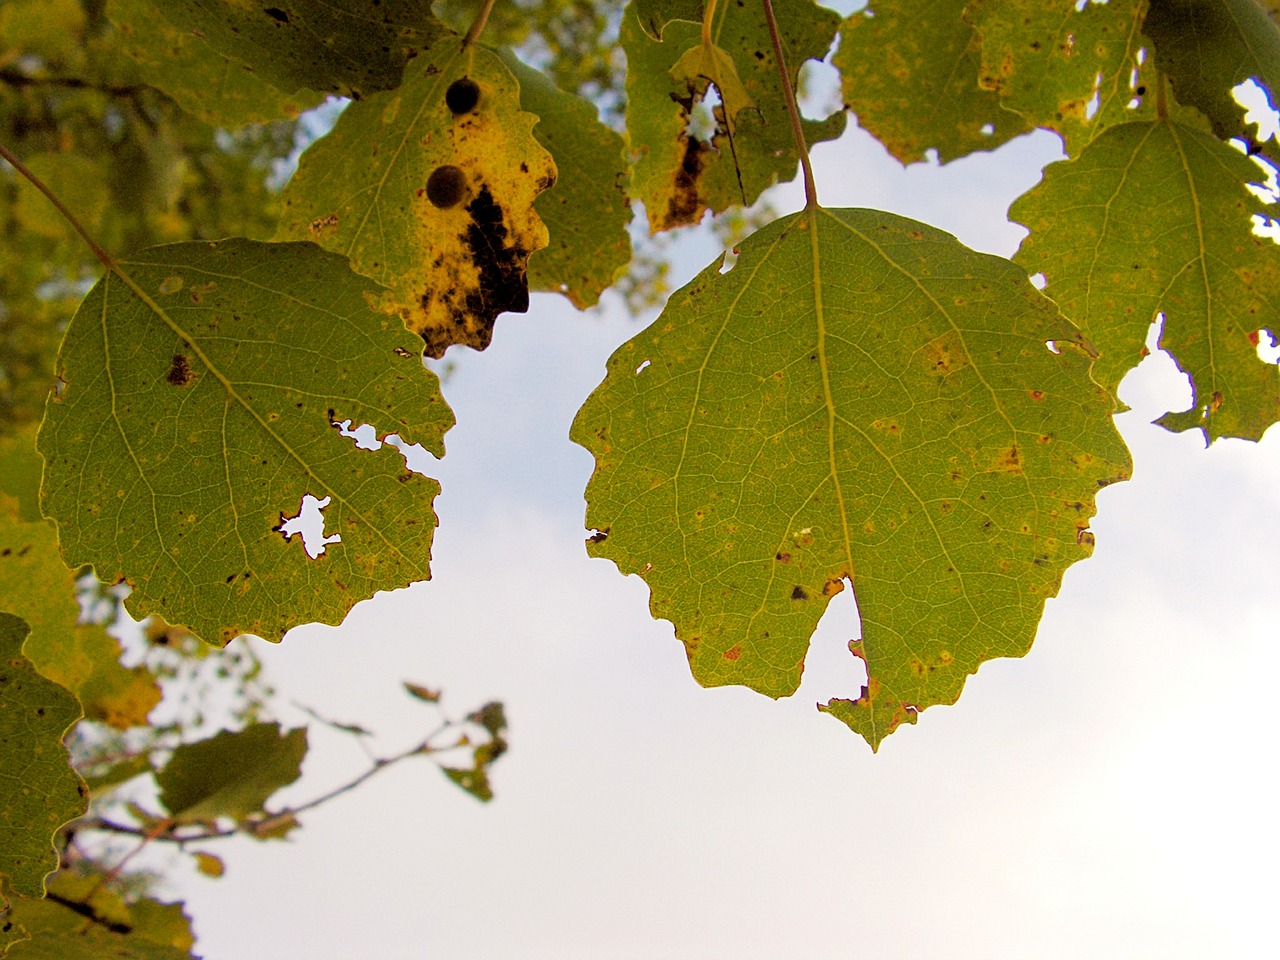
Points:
x=39, y=791
x=860, y=398
x=909, y=71
x=231, y=774
x=654, y=15
x=1155, y=218
x=707, y=62
x=587, y=210
x=433, y=202
x=201, y=80
x=1049, y=61
x=1207, y=47
x=198, y=410
x=679, y=176
x=352, y=48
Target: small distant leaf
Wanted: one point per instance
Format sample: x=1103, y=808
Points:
x=860, y=398
x=39, y=791
x=422, y=693
x=654, y=15
x=587, y=210
x=1047, y=61
x=1207, y=47
x=678, y=176
x=198, y=410
x=474, y=781
x=352, y=48
x=491, y=716
x=433, y=202
x=209, y=864
x=1116, y=252
x=231, y=774
x=909, y=72
x=200, y=79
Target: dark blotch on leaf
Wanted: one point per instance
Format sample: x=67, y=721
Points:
x=276, y=14
x=446, y=186
x=179, y=371
x=799, y=593
x=462, y=95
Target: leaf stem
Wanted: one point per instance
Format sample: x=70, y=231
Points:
x=473, y=34
x=106, y=258
x=708, y=15
x=793, y=111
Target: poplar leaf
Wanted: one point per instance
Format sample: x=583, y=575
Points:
x=431, y=193
x=1115, y=253
x=231, y=774
x=679, y=176
x=1208, y=47
x=909, y=72
x=198, y=408
x=39, y=791
x=861, y=399
x=1061, y=65
x=588, y=209
x=352, y=48
x=707, y=62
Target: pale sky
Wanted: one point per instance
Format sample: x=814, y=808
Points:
x=1111, y=795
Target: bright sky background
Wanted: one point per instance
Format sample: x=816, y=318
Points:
x=1111, y=795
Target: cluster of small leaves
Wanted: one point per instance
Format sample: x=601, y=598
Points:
x=851, y=399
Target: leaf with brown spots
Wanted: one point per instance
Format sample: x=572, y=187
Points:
x=432, y=195
x=1115, y=253
x=178, y=484
x=679, y=176
x=854, y=401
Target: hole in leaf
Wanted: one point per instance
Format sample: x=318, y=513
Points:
x=988, y=129
x=701, y=124
x=416, y=457
x=1268, y=347
x=730, y=260
x=1052, y=346
x=1038, y=280
x=819, y=93
x=643, y=365
x=833, y=665
x=1095, y=102
x=309, y=522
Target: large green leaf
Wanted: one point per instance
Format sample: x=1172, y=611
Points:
x=678, y=176
x=588, y=209
x=198, y=407
x=232, y=774
x=1048, y=61
x=1155, y=218
x=1207, y=47
x=433, y=202
x=39, y=791
x=352, y=48
x=860, y=398
x=909, y=72
x=199, y=78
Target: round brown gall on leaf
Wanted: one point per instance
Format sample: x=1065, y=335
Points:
x=446, y=186
x=462, y=96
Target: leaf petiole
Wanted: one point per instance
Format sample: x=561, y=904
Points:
x=793, y=111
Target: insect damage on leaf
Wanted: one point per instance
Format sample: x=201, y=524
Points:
x=429, y=189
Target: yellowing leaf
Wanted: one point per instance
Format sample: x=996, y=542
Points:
x=1115, y=252
x=909, y=72
x=587, y=210
x=707, y=62
x=352, y=48
x=198, y=411
x=860, y=398
x=231, y=774
x=39, y=791
x=209, y=864
x=430, y=190
x=679, y=176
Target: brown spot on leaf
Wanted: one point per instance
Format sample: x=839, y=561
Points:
x=799, y=593
x=321, y=226
x=782, y=557
x=684, y=207
x=945, y=355
x=1009, y=460
x=832, y=587
x=179, y=371
x=734, y=652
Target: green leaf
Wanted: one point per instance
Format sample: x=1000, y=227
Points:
x=231, y=774
x=654, y=15
x=1155, y=218
x=85, y=920
x=200, y=79
x=587, y=210
x=909, y=72
x=1207, y=47
x=707, y=62
x=474, y=781
x=861, y=398
x=352, y=48
x=678, y=176
x=437, y=205
x=39, y=791
x=198, y=408
x=1048, y=61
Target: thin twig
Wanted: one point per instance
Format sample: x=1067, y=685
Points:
x=478, y=24
x=106, y=258
x=793, y=111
